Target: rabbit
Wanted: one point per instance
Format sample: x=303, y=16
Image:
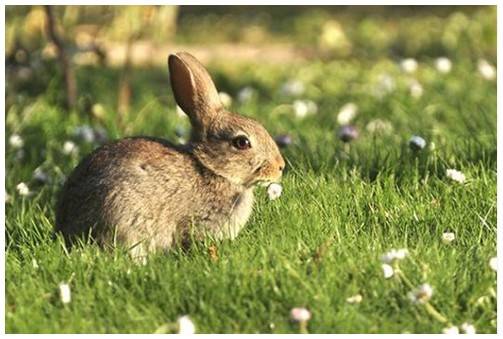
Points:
x=148, y=194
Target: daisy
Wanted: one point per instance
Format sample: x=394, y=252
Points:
x=379, y=126
x=355, y=299
x=443, y=65
x=347, y=113
x=64, y=293
x=455, y=175
x=493, y=263
x=387, y=270
x=23, y=189
x=185, y=325
x=448, y=237
x=467, y=328
x=394, y=255
x=422, y=294
x=385, y=85
x=300, y=314
x=451, y=330
x=293, y=88
x=487, y=70
x=15, y=141
x=302, y=108
x=69, y=147
x=416, y=89
x=409, y=65
x=274, y=191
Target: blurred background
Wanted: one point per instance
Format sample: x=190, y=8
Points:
x=94, y=73
x=127, y=39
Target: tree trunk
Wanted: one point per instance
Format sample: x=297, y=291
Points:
x=68, y=74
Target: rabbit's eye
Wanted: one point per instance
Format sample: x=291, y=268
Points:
x=241, y=142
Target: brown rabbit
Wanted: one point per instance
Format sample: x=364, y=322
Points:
x=147, y=194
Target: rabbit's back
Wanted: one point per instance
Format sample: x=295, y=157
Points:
x=133, y=188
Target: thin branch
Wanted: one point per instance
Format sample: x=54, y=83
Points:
x=69, y=76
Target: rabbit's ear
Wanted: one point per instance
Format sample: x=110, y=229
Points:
x=193, y=88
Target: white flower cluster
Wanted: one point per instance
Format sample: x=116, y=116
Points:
x=455, y=175
x=303, y=108
x=300, y=314
x=274, y=191
x=347, y=113
x=394, y=255
x=422, y=294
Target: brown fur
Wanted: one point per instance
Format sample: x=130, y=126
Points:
x=144, y=191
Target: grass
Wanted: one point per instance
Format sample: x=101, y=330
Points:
x=320, y=243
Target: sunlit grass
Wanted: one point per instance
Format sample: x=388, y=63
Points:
x=320, y=243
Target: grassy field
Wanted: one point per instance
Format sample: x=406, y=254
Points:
x=343, y=205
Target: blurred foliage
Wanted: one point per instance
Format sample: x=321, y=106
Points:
x=339, y=31
x=356, y=31
x=103, y=34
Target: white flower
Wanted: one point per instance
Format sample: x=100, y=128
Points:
x=23, y=189
x=385, y=85
x=64, y=293
x=487, y=70
x=467, y=328
x=493, y=263
x=455, y=175
x=85, y=133
x=387, y=271
x=180, y=112
x=300, y=314
x=245, y=94
x=69, y=147
x=379, y=126
x=448, y=237
x=274, y=191
x=185, y=325
x=347, y=113
x=443, y=65
x=355, y=299
x=40, y=175
x=422, y=294
x=16, y=141
x=302, y=108
x=393, y=255
x=293, y=88
x=409, y=65
x=416, y=89
x=451, y=330
x=34, y=263
x=225, y=98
